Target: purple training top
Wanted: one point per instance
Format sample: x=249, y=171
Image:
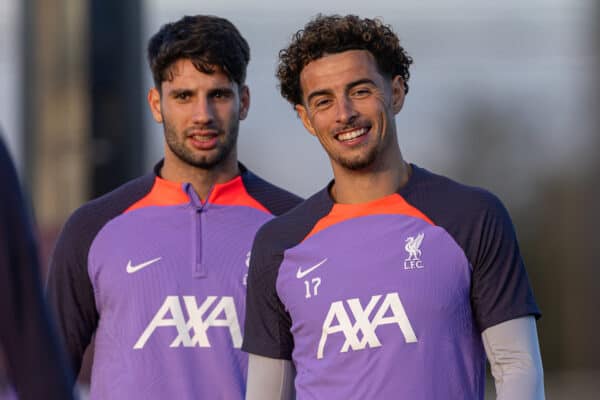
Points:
x=160, y=277
x=387, y=300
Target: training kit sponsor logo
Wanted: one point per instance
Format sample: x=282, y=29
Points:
x=215, y=313
x=362, y=334
x=413, y=248
x=302, y=273
x=135, y=268
x=313, y=282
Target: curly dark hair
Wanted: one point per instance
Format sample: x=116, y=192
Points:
x=206, y=40
x=335, y=34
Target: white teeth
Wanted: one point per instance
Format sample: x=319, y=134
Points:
x=201, y=138
x=352, y=134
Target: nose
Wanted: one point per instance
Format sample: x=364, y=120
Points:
x=203, y=112
x=346, y=113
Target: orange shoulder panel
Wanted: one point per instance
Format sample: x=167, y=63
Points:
x=392, y=204
x=163, y=193
x=234, y=193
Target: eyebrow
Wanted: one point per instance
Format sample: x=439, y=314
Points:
x=177, y=91
x=349, y=86
x=222, y=89
x=364, y=81
x=317, y=93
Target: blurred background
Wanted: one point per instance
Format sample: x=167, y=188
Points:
x=504, y=95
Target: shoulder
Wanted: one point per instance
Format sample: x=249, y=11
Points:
x=445, y=200
x=88, y=219
x=474, y=217
x=272, y=197
x=290, y=228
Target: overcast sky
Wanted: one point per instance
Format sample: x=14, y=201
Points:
x=525, y=58
x=528, y=60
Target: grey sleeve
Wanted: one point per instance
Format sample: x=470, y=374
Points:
x=270, y=379
x=513, y=351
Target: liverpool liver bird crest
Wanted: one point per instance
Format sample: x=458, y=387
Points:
x=413, y=245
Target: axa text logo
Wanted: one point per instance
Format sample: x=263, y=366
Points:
x=194, y=332
x=363, y=332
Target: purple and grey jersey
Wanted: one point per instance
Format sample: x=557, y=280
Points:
x=387, y=300
x=159, y=277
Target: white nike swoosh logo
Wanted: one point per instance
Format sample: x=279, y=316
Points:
x=134, y=268
x=301, y=274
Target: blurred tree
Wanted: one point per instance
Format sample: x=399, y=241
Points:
x=555, y=214
x=55, y=107
x=82, y=105
x=117, y=99
x=569, y=221
x=496, y=148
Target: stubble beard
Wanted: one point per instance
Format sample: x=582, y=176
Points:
x=360, y=162
x=368, y=160
x=176, y=142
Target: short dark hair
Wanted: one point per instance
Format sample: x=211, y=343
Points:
x=335, y=34
x=206, y=40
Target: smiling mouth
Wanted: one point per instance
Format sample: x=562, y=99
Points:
x=352, y=134
x=203, y=138
x=202, y=135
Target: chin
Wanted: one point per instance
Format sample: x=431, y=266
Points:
x=364, y=162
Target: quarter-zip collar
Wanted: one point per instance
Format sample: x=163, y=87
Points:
x=230, y=193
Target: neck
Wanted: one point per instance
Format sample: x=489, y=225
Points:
x=201, y=179
x=354, y=187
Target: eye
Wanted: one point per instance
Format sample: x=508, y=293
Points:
x=361, y=92
x=183, y=96
x=321, y=103
x=221, y=94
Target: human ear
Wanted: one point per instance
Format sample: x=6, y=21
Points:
x=244, y=102
x=303, y=114
x=397, y=93
x=154, y=103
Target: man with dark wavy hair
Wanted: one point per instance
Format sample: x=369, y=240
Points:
x=392, y=282
x=156, y=269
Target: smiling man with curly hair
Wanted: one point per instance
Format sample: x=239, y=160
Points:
x=392, y=282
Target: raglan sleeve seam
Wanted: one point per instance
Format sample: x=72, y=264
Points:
x=265, y=327
x=499, y=260
x=69, y=288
